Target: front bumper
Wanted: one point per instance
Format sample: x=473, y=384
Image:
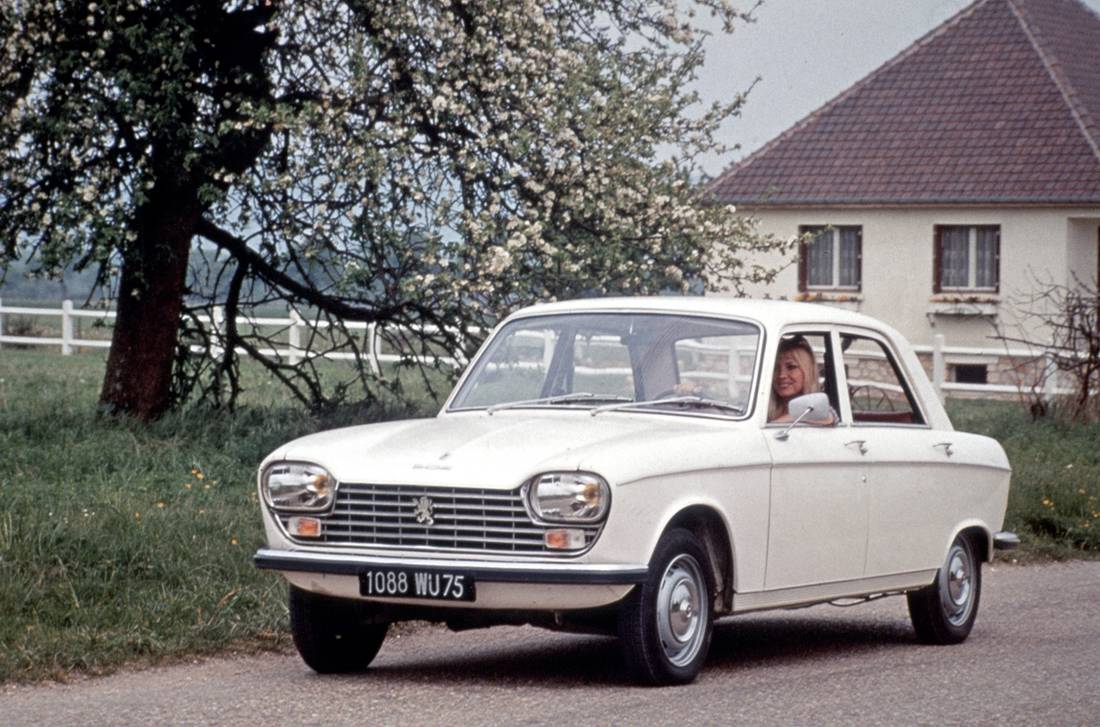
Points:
x=580, y=574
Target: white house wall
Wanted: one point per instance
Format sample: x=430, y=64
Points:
x=897, y=272
x=1084, y=245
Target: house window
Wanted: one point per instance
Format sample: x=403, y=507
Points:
x=972, y=373
x=832, y=259
x=967, y=258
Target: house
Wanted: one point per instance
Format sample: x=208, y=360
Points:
x=939, y=189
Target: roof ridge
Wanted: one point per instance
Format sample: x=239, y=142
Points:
x=858, y=85
x=1053, y=66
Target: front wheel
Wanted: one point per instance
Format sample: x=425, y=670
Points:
x=666, y=623
x=944, y=612
x=333, y=635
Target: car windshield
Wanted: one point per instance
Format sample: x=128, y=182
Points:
x=664, y=362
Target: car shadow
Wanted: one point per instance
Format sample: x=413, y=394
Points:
x=549, y=660
x=754, y=641
x=542, y=659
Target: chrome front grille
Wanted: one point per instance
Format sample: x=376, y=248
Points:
x=463, y=519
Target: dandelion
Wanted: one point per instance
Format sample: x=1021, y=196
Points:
x=160, y=505
x=137, y=516
x=233, y=541
x=1047, y=502
x=1081, y=491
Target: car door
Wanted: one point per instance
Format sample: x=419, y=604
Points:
x=908, y=463
x=819, y=508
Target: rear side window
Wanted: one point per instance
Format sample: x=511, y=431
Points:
x=877, y=390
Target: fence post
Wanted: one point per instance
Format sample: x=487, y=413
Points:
x=1050, y=376
x=547, y=349
x=1, y=322
x=372, y=349
x=939, y=368
x=66, y=328
x=295, y=336
x=217, y=324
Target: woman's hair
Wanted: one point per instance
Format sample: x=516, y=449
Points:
x=804, y=355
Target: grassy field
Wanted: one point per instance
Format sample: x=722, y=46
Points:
x=123, y=543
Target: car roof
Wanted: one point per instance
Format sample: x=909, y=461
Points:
x=771, y=313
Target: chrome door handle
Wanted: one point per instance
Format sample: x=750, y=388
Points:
x=946, y=447
x=862, y=445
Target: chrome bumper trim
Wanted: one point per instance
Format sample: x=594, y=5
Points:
x=487, y=571
x=1005, y=540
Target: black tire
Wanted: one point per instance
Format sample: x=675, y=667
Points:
x=944, y=612
x=333, y=635
x=666, y=623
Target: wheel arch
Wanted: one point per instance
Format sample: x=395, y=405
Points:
x=979, y=535
x=707, y=524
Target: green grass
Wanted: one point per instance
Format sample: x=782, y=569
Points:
x=123, y=543
x=1054, y=503
x=120, y=542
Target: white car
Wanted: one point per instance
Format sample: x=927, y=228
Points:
x=610, y=465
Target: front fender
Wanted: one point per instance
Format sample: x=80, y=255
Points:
x=642, y=510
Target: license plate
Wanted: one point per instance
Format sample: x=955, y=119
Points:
x=406, y=583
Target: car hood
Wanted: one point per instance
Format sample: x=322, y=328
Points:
x=504, y=450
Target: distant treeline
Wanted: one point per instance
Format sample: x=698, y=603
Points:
x=19, y=282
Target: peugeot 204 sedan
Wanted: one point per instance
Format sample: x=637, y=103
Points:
x=642, y=467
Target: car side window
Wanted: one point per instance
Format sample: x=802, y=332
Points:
x=822, y=378
x=877, y=390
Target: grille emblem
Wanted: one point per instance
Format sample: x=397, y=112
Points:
x=423, y=511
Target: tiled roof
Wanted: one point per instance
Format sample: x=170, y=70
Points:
x=999, y=105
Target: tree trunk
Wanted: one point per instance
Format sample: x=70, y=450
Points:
x=138, y=381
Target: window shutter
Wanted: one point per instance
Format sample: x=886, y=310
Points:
x=802, y=262
x=997, y=261
x=859, y=259
x=937, y=260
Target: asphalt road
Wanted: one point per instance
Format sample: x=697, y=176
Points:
x=1033, y=659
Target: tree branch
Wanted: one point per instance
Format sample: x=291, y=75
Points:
x=245, y=255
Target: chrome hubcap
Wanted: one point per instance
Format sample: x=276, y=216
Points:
x=957, y=585
x=680, y=610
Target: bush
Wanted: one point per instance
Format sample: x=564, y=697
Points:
x=1054, y=503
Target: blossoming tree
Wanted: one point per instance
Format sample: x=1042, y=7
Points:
x=423, y=165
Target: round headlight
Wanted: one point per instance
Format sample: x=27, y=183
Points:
x=298, y=487
x=569, y=497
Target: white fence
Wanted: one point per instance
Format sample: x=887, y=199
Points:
x=295, y=326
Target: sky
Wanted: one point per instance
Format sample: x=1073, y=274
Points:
x=806, y=52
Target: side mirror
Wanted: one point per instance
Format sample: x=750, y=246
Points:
x=812, y=408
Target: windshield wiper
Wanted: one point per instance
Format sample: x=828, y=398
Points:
x=579, y=396
x=698, y=401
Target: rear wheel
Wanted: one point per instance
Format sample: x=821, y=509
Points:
x=944, y=612
x=333, y=635
x=666, y=623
